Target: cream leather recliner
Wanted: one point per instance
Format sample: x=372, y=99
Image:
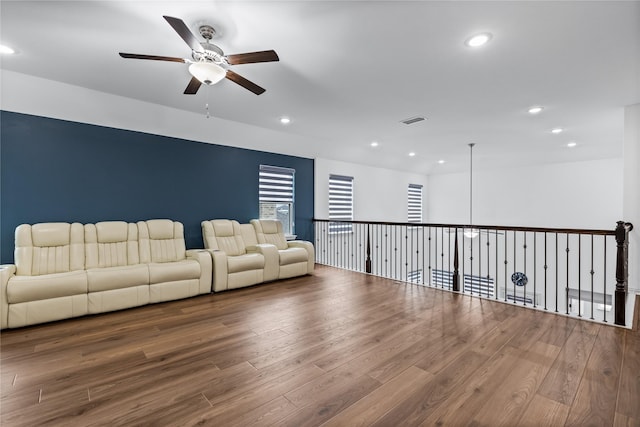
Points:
x=48, y=280
x=67, y=270
x=238, y=259
x=295, y=257
x=116, y=277
x=174, y=272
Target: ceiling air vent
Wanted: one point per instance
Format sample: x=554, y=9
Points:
x=412, y=120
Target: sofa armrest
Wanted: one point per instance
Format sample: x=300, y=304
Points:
x=219, y=266
x=7, y=271
x=308, y=246
x=204, y=259
x=271, y=260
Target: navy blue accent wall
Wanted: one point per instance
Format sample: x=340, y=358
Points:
x=55, y=170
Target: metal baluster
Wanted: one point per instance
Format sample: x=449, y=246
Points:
x=579, y=275
x=423, y=269
x=567, y=284
x=515, y=268
x=497, y=274
x=545, y=270
x=535, y=269
x=592, y=272
x=557, y=269
x=524, y=270
x=604, y=278
x=506, y=283
x=488, y=262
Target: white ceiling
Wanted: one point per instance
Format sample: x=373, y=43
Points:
x=349, y=71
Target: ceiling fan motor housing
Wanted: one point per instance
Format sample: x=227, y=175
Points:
x=212, y=53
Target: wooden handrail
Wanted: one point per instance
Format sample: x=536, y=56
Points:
x=482, y=227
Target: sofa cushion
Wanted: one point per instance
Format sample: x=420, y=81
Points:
x=111, y=244
x=270, y=231
x=108, y=278
x=173, y=271
x=54, y=247
x=251, y=261
x=161, y=240
x=293, y=255
x=224, y=235
x=33, y=288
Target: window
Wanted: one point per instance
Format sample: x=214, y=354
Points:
x=480, y=285
x=275, y=190
x=414, y=203
x=340, y=203
x=414, y=276
x=442, y=279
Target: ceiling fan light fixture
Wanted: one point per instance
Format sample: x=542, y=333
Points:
x=478, y=40
x=6, y=50
x=471, y=233
x=208, y=73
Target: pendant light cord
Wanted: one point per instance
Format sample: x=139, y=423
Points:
x=471, y=183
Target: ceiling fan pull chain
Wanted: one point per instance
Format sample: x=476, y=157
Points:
x=206, y=106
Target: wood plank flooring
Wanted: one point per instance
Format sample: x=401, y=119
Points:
x=336, y=349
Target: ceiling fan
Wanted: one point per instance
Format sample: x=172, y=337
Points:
x=209, y=64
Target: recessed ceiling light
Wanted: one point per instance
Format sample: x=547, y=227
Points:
x=572, y=144
x=411, y=154
x=440, y=161
x=556, y=130
x=535, y=110
x=285, y=120
x=478, y=40
x=374, y=144
x=6, y=50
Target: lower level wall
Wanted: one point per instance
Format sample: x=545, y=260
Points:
x=568, y=195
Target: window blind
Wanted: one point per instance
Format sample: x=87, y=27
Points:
x=414, y=203
x=275, y=184
x=340, y=202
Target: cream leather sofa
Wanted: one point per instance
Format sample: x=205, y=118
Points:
x=242, y=257
x=67, y=270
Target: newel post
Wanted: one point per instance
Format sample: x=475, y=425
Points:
x=622, y=271
x=367, y=265
x=456, y=274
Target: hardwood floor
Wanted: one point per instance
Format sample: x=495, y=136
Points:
x=336, y=349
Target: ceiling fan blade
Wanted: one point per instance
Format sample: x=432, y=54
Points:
x=183, y=31
x=192, y=87
x=152, y=57
x=247, y=84
x=253, y=57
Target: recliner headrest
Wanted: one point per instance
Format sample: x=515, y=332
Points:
x=51, y=234
x=112, y=231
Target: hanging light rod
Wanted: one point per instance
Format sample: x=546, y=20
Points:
x=471, y=233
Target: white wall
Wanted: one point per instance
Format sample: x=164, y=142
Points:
x=572, y=195
x=631, y=207
x=379, y=194
x=27, y=94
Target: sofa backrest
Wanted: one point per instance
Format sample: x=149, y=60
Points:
x=270, y=231
x=111, y=244
x=50, y=247
x=248, y=234
x=224, y=235
x=161, y=240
